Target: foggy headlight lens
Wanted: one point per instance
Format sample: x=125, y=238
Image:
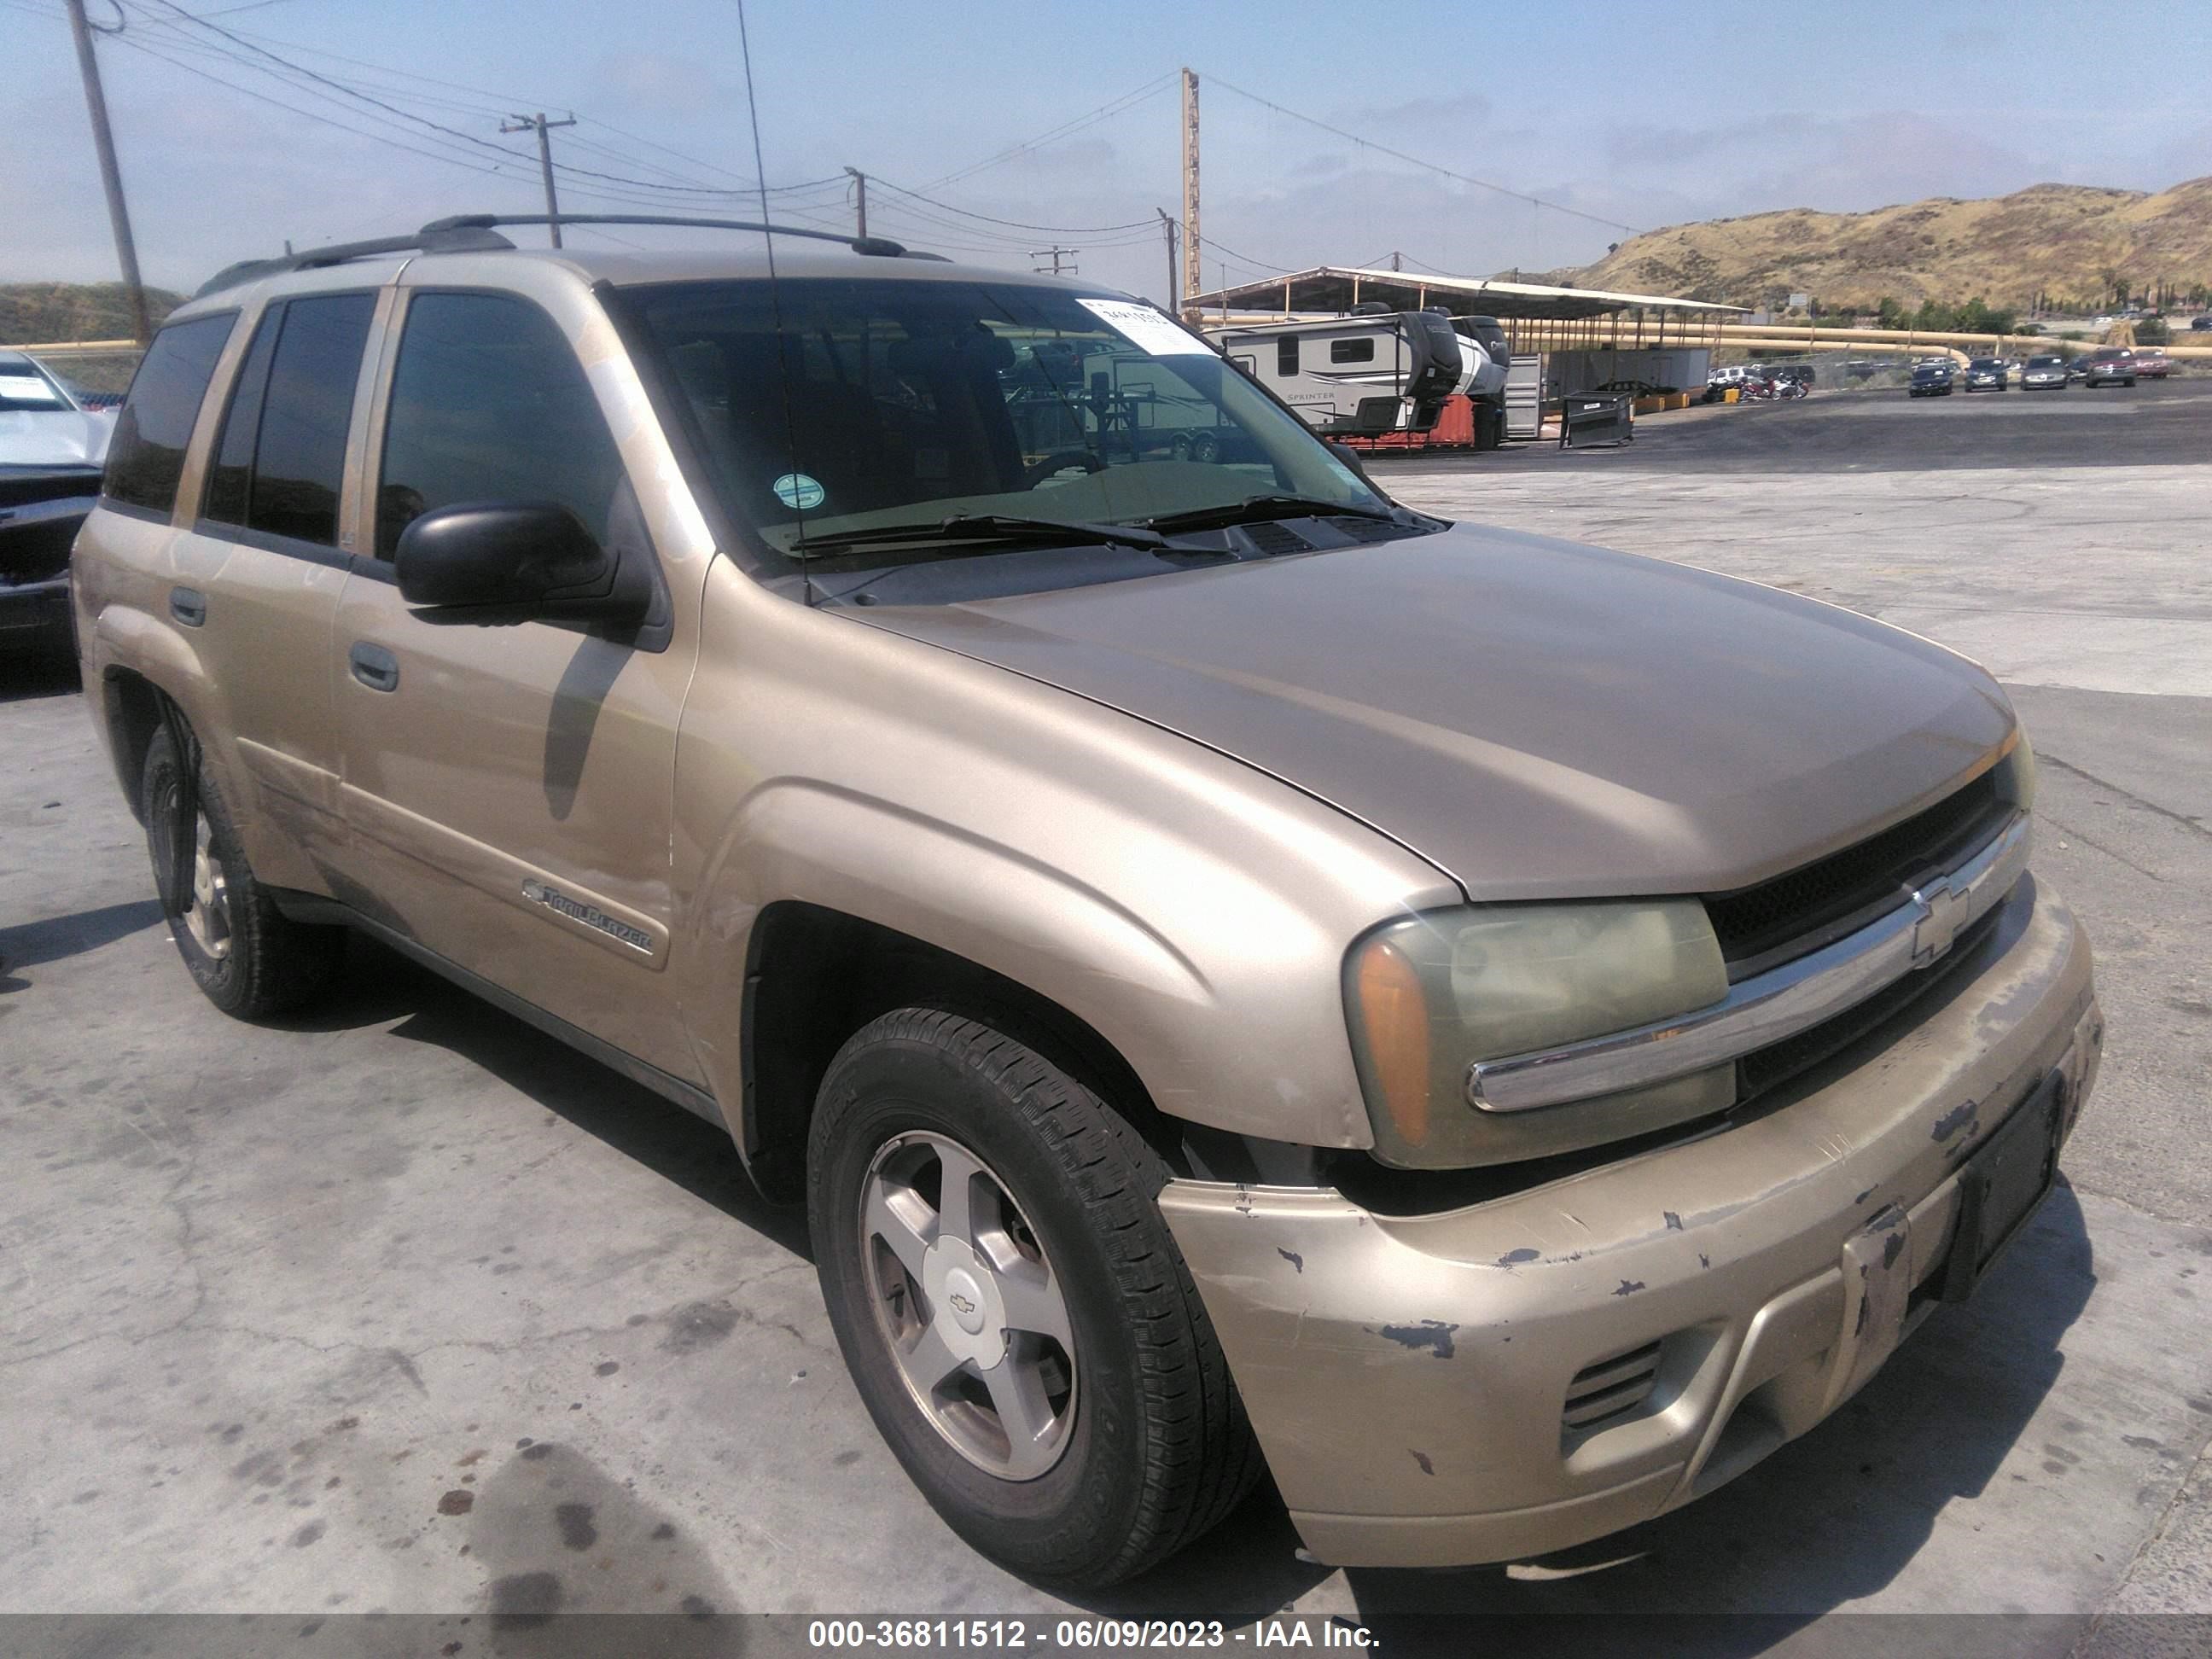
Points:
x=1430, y=996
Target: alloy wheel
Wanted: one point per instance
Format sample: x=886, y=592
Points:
x=969, y=1305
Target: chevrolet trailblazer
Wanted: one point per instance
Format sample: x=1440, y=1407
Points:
x=1501, y=1033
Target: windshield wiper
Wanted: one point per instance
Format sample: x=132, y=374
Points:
x=1255, y=508
x=987, y=527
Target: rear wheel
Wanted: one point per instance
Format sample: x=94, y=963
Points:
x=1014, y=1313
x=249, y=959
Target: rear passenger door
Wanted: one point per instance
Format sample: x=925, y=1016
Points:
x=261, y=571
x=510, y=789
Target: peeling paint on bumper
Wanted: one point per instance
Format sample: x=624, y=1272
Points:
x=1407, y=1376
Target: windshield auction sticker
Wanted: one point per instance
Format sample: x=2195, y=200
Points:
x=1143, y=326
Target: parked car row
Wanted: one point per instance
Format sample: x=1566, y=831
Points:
x=1935, y=377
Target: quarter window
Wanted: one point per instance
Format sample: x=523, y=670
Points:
x=299, y=454
x=1352, y=351
x=146, y=456
x=488, y=403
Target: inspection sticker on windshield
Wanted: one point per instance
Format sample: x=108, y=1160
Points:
x=1143, y=326
x=798, y=492
x=26, y=388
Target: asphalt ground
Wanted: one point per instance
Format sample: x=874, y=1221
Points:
x=404, y=1308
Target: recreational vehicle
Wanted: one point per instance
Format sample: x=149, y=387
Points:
x=1357, y=376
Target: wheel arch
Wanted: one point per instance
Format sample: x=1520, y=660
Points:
x=814, y=975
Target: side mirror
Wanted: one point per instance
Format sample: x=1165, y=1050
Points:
x=511, y=561
x=1351, y=459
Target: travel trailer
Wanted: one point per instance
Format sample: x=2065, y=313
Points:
x=1355, y=376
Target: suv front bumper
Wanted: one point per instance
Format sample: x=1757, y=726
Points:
x=1412, y=1378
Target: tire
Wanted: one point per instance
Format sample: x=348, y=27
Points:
x=249, y=959
x=1142, y=1442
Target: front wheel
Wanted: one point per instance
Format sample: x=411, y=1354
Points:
x=1015, y=1315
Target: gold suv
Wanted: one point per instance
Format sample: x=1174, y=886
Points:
x=1506, y=1033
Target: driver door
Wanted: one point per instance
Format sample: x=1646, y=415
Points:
x=509, y=789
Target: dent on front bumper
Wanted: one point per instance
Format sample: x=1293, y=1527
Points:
x=1408, y=1377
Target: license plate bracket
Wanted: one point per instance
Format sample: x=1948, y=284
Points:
x=2002, y=1185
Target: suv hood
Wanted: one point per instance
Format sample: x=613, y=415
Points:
x=1536, y=718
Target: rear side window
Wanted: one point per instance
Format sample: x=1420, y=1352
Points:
x=146, y=456
x=281, y=461
x=1352, y=351
x=488, y=403
x=1286, y=355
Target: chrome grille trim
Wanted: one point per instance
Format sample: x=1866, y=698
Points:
x=1770, y=1006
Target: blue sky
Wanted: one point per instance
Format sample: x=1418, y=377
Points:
x=1641, y=115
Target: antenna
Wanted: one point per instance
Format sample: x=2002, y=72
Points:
x=775, y=300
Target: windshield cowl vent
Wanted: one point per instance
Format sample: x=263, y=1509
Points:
x=1273, y=538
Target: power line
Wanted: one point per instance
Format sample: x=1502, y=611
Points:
x=1065, y=129
x=1415, y=161
x=1015, y=224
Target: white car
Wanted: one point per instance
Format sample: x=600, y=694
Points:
x=42, y=421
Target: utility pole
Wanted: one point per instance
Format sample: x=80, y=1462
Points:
x=103, y=141
x=1175, y=270
x=539, y=124
x=860, y=182
x=1394, y=259
x=1054, y=253
x=1193, y=279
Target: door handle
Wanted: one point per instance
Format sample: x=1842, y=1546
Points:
x=373, y=666
x=188, y=605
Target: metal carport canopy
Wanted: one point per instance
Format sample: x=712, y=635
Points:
x=1337, y=288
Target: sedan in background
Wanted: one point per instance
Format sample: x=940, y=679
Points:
x=2152, y=362
x=1986, y=374
x=2044, y=375
x=2109, y=366
x=1932, y=380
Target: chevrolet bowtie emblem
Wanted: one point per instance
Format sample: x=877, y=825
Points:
x=961, y=1304
x=1942, y=916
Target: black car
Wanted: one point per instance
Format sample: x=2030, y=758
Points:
x=1932, y=380
x=1986, y=374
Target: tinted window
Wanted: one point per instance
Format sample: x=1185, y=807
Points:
x=1352, y=351
x=147, y=455
x=233, y=455
x=299, y=455
x=488, y=403
x=1286, y=355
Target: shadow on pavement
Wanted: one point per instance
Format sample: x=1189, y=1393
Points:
x=57, y=938
x=379, y=986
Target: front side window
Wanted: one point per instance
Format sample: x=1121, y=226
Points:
x=834, y=407
x=146, y=456
x=489, y=403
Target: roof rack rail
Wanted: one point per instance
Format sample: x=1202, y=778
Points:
x=444, y=237
x=474, y=232
x=879, y=247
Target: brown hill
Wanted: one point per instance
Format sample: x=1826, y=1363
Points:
x=2067, y=242
x=33, y=312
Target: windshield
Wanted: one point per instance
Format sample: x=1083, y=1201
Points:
x=893, y=404
x=2046, y=362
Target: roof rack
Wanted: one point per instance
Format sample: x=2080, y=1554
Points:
x=474, y=232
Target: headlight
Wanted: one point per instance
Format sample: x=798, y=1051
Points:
x=2016, y=776
x=1430, y=996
